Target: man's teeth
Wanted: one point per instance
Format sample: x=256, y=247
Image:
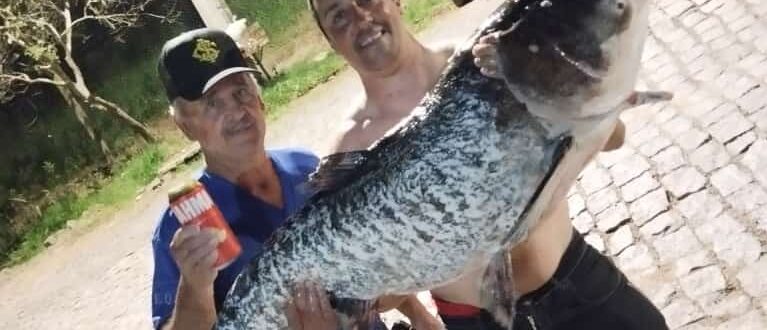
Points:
x=369, y=40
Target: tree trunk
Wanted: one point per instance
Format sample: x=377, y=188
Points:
x=82, y=116
x=81, y=91
x=115, y=110
x=261, y=67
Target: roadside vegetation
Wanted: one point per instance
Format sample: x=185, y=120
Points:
x=115, y=191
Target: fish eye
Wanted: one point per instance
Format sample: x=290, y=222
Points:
x=621, y=5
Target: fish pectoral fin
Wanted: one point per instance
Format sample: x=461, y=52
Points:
x=354, y=314
x=648, y=97
x=497, y=291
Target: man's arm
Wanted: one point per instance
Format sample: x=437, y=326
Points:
x=194, y=251
x=195, y=308
x=419, y=316
x=410, y=306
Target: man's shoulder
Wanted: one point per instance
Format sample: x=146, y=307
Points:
x=298, y=156
x=295, y=155
x=353, y=139
x=445, y=49
x=352, y=129
x=294, y=161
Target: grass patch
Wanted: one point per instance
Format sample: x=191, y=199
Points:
x=298, y=80
x=277, y=17
x=420, y=13
x=134, y=174
x=137, y=89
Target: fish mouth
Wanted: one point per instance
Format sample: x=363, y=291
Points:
x=367, y=38
x=581, y=66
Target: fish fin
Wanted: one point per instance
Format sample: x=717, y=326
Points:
x=354, y=314
x=342, y=169
x=544, y=193
x=497, y=290
x=338, y=170
x=641, y=98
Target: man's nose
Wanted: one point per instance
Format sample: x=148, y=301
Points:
x=361, y=14
x=233, y=108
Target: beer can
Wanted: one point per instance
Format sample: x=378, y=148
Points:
x=192, y=206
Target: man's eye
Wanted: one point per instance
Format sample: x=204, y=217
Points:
x=244, y=95
x=362, y=3
x=339, y=18
x=210, y=103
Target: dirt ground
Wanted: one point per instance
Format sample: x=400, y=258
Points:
x=100, y=277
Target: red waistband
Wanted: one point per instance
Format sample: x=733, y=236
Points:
x=447, y=308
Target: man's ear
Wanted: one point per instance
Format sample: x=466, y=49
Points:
x=185, y=128
x=261, y=104
x=182, y=122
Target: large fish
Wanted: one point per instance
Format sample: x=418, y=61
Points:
x=467, y=175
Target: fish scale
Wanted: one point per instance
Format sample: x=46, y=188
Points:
x=461, y=181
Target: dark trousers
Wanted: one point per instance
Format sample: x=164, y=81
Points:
x=587, y=291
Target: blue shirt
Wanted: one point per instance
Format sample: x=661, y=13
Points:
x=251, y=219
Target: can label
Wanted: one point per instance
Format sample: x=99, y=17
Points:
x=193, y=206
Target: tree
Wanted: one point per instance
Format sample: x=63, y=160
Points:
x=36, y=47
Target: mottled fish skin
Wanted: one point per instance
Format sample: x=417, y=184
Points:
x=457, y=181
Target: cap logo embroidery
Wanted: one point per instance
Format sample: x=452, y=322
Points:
x=206, y=51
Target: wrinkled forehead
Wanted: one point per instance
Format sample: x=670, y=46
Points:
x=235, y=80
x=321, y=7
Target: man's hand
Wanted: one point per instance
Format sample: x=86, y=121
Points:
x=410, y=306
x=486, y=56
x=310, y=309
x=194, y=251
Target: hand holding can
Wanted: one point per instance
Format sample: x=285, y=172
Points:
x=192, y=206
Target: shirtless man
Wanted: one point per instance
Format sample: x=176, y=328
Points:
x=563, y=282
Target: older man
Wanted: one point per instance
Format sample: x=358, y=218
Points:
x=215, y=101
x=563, y=282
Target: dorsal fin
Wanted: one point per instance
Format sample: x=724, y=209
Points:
x=342, y=169
x=339, y=170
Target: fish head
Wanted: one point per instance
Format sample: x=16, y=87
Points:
x=572, y=59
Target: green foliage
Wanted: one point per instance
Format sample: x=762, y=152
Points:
x=277, y=18
x=136, y=88
x=135, y=173
x=418, y=14
x=299, y=80
x=41, y=53
x=50, y=146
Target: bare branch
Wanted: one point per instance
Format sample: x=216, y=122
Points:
x=25, y=78
x=67, y=33
x=112, y=20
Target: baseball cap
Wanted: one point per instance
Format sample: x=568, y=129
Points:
x=191, y=63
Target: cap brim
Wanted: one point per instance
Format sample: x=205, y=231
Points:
x=223, y=74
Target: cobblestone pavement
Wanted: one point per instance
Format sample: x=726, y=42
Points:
x=682, y=207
